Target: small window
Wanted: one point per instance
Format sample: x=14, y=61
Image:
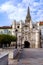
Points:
x=5, y=30
x=17, y=26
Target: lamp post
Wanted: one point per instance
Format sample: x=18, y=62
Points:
x=16, y=37
x=20, y=41
x=20, y=37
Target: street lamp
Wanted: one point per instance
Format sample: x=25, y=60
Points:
x=16, y=37
x=20, y=38
x=21, y=41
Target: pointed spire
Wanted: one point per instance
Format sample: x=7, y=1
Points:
x=28, y=12
x=28, y=17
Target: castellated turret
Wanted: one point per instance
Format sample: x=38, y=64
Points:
x=14, y=27
x=37, y=43
x=38, y=27
x=21, y=26
x=31, y=26
x=37, y=35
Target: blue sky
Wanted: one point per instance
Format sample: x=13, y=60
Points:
x=17, y=9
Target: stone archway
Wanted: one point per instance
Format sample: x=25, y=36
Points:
x=26, y=44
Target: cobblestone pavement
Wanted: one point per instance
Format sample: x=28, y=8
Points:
x=12, y=62
x=16, y=60
x=31, y=57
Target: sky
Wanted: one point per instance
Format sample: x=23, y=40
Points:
x=11, y=10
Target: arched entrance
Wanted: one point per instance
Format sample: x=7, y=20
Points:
x=26, y=44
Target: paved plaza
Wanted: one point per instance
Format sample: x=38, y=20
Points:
x=31, y=53
x=31, y=57
x=28, y=57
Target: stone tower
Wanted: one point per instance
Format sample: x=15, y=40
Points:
x=28, y=19
x=31, y=35
x=27, y=26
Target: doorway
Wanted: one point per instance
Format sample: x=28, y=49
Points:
x=26, y=44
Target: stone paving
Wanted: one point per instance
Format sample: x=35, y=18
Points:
x=12, y=62
x=28, y=57
x=31, y=57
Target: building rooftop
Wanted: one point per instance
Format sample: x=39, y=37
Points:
x=6, y=27
x=41, y=23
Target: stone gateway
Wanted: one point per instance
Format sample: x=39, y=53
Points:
x=28, y=34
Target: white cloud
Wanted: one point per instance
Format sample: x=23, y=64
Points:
x=6, y=7
x=35, y=4
x=19, y=11
x=18, y=14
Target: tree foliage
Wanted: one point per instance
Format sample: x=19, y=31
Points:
x=6, y=39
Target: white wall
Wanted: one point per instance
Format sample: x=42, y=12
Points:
x=6, y=31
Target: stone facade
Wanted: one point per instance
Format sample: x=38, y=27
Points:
x=27, y=32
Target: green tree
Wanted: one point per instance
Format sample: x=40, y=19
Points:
x=6, y=39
